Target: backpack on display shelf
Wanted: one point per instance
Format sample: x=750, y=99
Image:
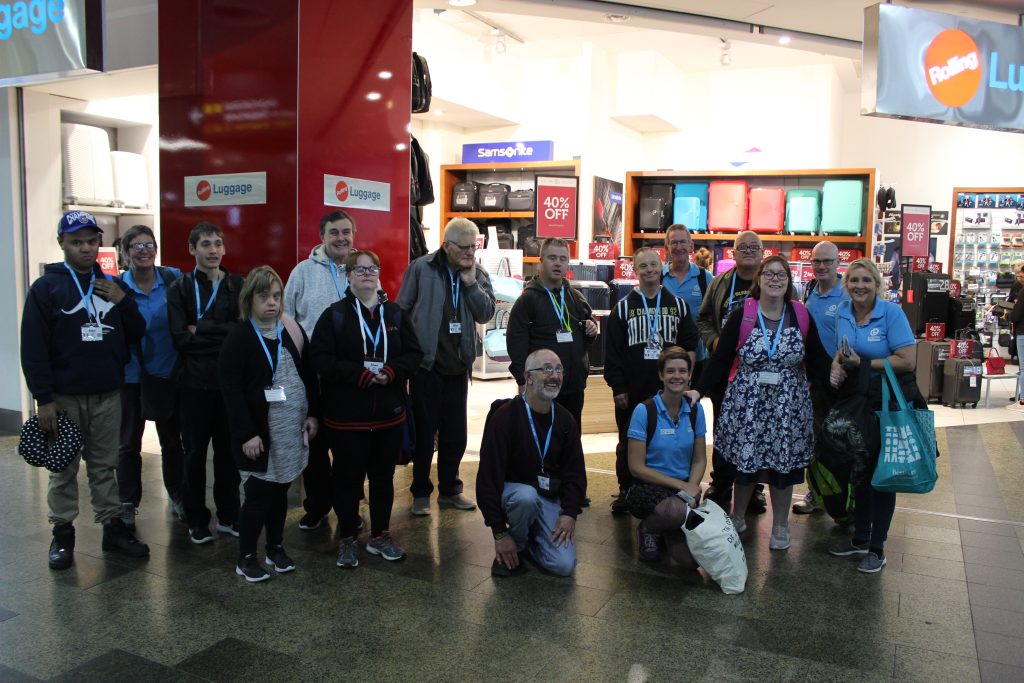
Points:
x=465, y=196
x=493, y=197
x=421, y=88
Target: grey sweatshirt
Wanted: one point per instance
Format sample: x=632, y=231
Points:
x=311, y=289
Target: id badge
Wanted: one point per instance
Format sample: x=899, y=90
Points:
x=373, y=365
x=563, y=337
x=651, y=352
x=668, y=431
x=274, y=394
x=92, y=332
x=454, y=328
x=768, y=378
x=544, y=482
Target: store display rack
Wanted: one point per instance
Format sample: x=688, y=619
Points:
x=986, y=237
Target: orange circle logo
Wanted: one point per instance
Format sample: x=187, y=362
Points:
x=952, y=68
x=341, y=190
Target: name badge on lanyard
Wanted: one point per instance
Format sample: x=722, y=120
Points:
x=374, y=365
x=654, y=342
x=275, y=392
x=92, y=332
x=768, y=378
x=544, y=482
x=563, y=337
x=372, y=360
x=455, y=327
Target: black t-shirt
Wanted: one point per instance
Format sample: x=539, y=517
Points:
x=739, y=293
x=446, y=358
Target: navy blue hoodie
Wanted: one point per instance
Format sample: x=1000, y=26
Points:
x=54, y=358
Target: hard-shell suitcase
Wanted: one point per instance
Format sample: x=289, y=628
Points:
x=88, y=171
x=727, y=205
x=652, y=214
x=595, y=353
x=803, y=212
x=767, y=210
x=493, y=196
x=931, y=358
x=961, y=382
x=620, y=290
x=131, y=180
x=465, y=196
x=690, y=206
x=520, y=200
x=842, y=207
x=595, y=293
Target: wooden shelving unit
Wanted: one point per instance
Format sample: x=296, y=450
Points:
x=789, y=179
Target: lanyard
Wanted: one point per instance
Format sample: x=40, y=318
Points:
x=213, y=297
x=456, y=287
x=86, y=295
x=533, y=429
x=563, y=312
x=732, y=292
x=274, y=364
x=647, y=312
x=770, y=350
x=334, y=276
x=364, y=330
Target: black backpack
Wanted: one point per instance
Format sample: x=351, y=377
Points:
x=421, y=88
x=652, y=419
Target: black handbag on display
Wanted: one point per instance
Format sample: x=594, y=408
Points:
x=521, y=200
x=465, y=196
x=494, y=197
x=421, y=86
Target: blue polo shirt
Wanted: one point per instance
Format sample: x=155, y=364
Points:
x=824, y=308
x=689, y=291
x=157, y=347
x=671, y=450
x=885, y=331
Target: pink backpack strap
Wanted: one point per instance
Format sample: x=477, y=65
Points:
x=746, y=327
x=803, y=320
x=294, y=331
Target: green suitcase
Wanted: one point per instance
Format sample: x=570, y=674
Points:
x=803, y=212
x=842, y=207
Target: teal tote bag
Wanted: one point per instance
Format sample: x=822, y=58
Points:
x=906, y=463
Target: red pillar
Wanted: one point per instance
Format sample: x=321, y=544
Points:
x=284, y=88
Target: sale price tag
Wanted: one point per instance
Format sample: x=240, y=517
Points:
x=557, y=200
x=915, y=230
x=107, y=258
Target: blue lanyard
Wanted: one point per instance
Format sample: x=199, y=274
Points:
x=334, y=276
x=732, y=291
x=562, y=312
x=213, y=297
x=274, y=364
x=647, y=312
x=365, y=330
x=456, y=286
x=547, y=442
x=770, y=350
x=86, y=295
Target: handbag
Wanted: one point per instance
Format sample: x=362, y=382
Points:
x=716, y=546
x=906, y=463
x=994, y=363
x=495, y=341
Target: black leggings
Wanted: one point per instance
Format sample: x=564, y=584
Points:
x=266, y=505
x=358, y=454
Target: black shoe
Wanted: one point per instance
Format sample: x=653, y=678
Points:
x=619, y=506
x=178, y=508
x=311, y=521
x=586, y=502
x=757, y=503
x=501, y=571
x=278, y=559
x=62, y=548
x=118, y=539
x=251, y=570
x=200, y=535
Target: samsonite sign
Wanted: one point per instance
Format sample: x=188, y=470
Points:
x=226, y=189
x=356, y=193
x=937, y=67
x=46, y=39
x=484, y=152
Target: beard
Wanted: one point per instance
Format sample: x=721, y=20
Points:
x=547, y=392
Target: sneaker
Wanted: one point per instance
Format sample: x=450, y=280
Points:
x=758, y=503
x=311, y=521
x=229, y=529
x=619, y=506
x=501, y=571
x=648, y=545
x=847, y=548
x=386, y=547
x=278, y=559
x=118, y=539
x=200, y=535
x=872, y=564
x=459, y=501
x=62, y=547
x=348, y=553
x=251, y=570
x=779, y=539
x=740, y=524
x=586, y=502
x=420, y=506
x=128, y=515
x=178, y=508
x=806, y=506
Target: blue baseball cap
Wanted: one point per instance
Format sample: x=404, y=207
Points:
x=73, y=221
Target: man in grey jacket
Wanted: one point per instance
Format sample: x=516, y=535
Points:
x=315, y=284
x=446, y=294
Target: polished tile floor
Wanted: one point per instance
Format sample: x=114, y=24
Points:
x=948, y=607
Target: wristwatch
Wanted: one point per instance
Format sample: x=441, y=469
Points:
x=500, y=535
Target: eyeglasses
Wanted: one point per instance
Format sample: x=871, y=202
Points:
x=142, y=246
x=749, y=248
x=680, y=243
x=822, y=261
x=774, y=275
x=548, y=370
x=466, y=248
x=366, y=270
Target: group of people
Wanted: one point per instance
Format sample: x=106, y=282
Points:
x=318, y=376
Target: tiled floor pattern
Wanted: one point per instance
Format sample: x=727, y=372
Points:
x=948, y=607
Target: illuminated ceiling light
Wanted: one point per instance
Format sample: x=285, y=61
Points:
x=500, y=46
x=461, y=3
x=726, y=58
x=384, y=75
x=439, y=112
x=617, y=18
x=785, y=40
x=373, y=96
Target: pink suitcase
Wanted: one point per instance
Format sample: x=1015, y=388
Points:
x=727, y=205
x=767, y=210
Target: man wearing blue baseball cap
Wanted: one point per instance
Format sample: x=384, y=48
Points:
x=75, y=333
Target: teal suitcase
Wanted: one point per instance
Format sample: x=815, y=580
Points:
x=842, y=207
x=803, y=212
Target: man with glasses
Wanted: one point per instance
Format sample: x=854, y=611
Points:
x=531, y=482
x=822, y=297
x=725, y=294
x=313, y=285
x=687, y=281
x=446, y=294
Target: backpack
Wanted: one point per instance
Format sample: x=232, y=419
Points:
x=702, y=282
x=803, y=321
x=652, y=419
x=421, y=88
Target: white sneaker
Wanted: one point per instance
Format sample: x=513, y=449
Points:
x=779, y=539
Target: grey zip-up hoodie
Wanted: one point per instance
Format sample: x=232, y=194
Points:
x=311, y=289
x=424, y=288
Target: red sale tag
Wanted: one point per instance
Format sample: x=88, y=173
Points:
x=800, y=254
x=624, y=269
x=603, y=251
x=935, y=331
x=849, y=255
x=556, y=206
x=107, y=259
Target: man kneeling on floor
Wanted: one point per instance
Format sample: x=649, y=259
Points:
x=531, y=482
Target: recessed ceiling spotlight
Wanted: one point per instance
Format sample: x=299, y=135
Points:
x=373, y=96
x=461, y=3
x=439, y=112
x=495, y=32
x=500, y=46
x=617, y=18
x=384, y=75
x=785, y=40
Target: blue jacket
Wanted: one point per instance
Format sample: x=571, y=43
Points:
x=157, y=346
x=54, y=358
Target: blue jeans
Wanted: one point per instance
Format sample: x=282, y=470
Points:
x=872, y=514
x=531, y=521
x=1020, y=354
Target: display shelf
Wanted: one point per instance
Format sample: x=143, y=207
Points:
x=964, y=260
x=531, y=259
x=109, y=210
x=488, y=214
x=787, y=179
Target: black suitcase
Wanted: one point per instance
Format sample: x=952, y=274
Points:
x=620, y=290
x=963, y=313
x=520, y=200
x=595, y=354
x=961, y=382
x=652, y=214
x=594, y=293
x=526, y=239
x=465, y=196
x=494, y=197
x=931, y=358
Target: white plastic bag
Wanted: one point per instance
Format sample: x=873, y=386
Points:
x=716, y=546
